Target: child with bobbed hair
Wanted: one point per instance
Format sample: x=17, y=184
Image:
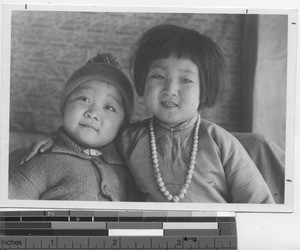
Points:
x=177, y=156
x=83, y=163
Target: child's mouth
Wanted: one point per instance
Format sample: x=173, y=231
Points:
x=168, y=104
x=88, y=126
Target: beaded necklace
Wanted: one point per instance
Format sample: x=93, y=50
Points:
x=161, y=184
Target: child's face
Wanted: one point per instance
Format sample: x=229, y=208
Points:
x=172, y=90
x=93, y=114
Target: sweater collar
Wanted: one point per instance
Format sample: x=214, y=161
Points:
x=64, y=144
x=182, y=126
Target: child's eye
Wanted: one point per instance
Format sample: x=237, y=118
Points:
x=158, y=76
x=187, y=80
x=85, y=99
x=110, y=108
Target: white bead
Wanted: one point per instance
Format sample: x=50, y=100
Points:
x=163, y=189
x=159, y=179
x=183, y=190
x=161, y=184
x=186, y=186
x=166, y=193
x=156, y=170
x=190, y=171
x=175, y=198
x=181, y=195
x=170, y=197
x=188, y=176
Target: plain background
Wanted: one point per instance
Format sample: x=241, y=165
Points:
x=255, y=230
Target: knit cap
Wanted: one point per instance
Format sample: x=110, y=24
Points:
x=103, y=67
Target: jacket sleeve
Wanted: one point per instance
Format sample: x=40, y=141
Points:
x=245, y=182
x=28, y=181
x=269, y=159
x=20, y=187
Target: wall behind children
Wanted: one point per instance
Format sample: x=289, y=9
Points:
x=46, y=48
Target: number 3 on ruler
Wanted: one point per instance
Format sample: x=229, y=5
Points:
x=178, y=242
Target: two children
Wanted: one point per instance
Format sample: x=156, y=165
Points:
x=176, y=155
x=83, y=163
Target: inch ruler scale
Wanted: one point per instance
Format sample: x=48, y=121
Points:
x=117, y=230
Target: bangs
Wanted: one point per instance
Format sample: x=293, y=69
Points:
x=178, y=44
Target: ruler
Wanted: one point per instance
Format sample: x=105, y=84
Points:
x=117, y=230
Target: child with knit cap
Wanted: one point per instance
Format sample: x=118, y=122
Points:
x=83, y=163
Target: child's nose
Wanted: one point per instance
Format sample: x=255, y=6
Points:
x=171, y=87
x=92, y=114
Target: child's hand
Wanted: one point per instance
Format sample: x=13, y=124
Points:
x=40, y=145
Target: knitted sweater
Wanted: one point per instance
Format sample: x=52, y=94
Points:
x=223, y=172
x=66, y=173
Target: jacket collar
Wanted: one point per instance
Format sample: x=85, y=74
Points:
x=64, y=144
x=182, y=126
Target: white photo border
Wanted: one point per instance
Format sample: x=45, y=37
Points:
x=5, y=103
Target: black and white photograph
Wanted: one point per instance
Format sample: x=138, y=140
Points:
x=171, y=109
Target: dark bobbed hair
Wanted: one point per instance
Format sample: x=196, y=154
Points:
x=165, y=40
